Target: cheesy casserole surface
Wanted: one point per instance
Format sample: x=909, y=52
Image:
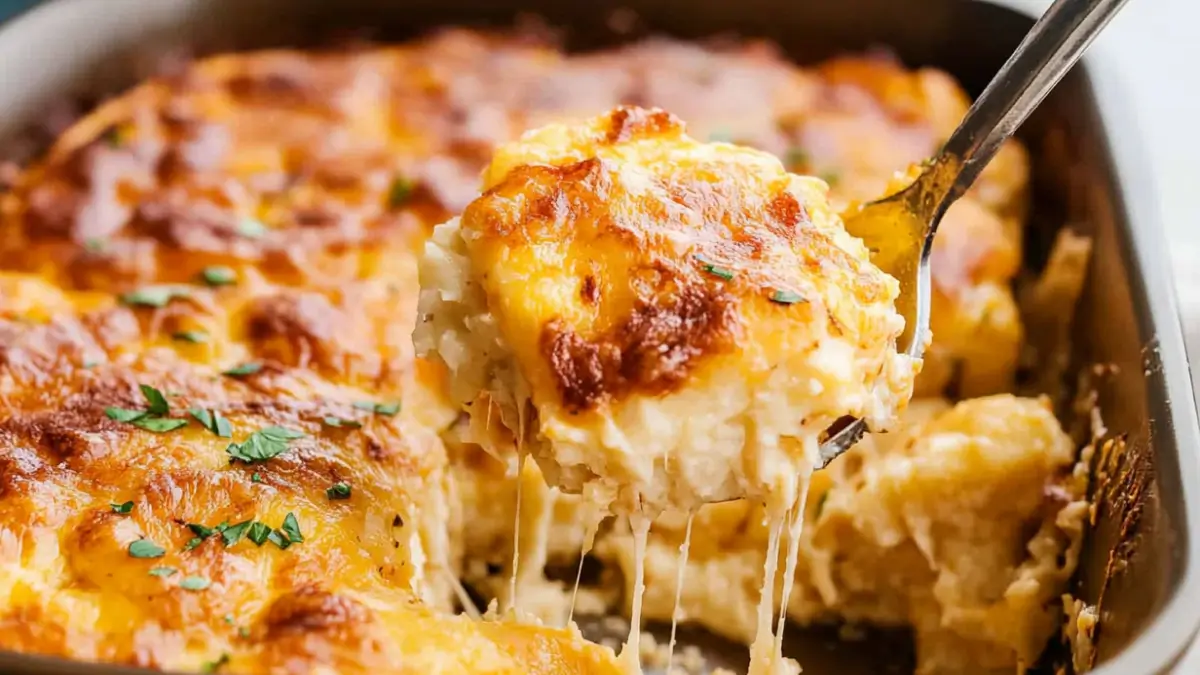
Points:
x=208, y=288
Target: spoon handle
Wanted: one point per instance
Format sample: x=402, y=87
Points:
x=1048, y=51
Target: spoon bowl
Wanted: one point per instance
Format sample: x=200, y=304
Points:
x=899, y=229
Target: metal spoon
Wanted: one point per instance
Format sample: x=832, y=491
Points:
x=899, y=229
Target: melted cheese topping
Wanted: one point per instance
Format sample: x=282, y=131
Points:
x=683, y=319
x=253, y=211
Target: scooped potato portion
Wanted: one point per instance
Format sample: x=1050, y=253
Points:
x=666, y=321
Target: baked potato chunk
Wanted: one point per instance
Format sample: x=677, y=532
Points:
x=678, y=320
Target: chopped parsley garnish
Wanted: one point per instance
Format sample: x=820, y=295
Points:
x=796, y=156
x=158, y=402
x=341, y=423
x=786, y=297
x=214, y=666
x=144, y=548
x=218, y=275
x=194, y=583
x=291, y=527
x=234, y=533
x=263, y=444
x=203, y=531
x=162, y=571
x=95, y=245
x=122, y=508
x=258, y=533
x=213, y=421
x=280, y=539
x=338, y=491
x=124, y=414
x=248, y=368
x=388, y=409
x=159, y=425
x=400, y=192
x=256, y=477
x=155, y=296
x=714, y=269
x=229, y=619
x=251, y=228
x=193, y=543
x=830, y=177
x=195, y=337
x=243, y=632
x=153, y=418
x=90, y=363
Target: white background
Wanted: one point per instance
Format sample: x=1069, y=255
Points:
x=1157, y=61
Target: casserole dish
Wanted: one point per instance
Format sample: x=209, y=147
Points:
x=1140, y=563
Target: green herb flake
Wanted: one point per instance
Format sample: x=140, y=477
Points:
x=162, y=571
x=214, y=666
x=831, y=178
x=218, y=275
x=389, y=409
x=196, y=337
x=124, y=414
x=338, y=491
x=258, y=533
x=213, y=421
x=400, y=192
x=150, y=419
x=229, y=619
x=144, y=548
x=714, y=269
x=157, y=402
x=279, y=539
x=340, y=423
x=154, y=296
x=194, y=583
x=122, y=508
x=243, y=632
x=234, y=533
x=291, y=527
x=95, y=245
x=90, y=363
x=202, y=531
x=159, y=425
x=256, y=477
x=242, y=369
x=193, y=543
x=786, y=297
x=251, y=228
x=282, y=433
x=263, y=444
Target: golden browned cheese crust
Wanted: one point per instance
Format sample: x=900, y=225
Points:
x=645, y=317
x=254, y=212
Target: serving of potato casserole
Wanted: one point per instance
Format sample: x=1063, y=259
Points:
x=219, y=451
